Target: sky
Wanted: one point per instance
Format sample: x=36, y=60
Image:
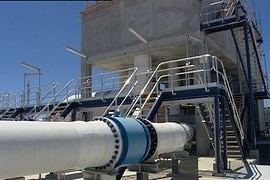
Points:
x=38, y=32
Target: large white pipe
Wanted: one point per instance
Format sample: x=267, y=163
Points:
x=171, y=137
x=28, y=148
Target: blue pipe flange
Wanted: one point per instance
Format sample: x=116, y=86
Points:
x=153, y=137
x=117, y=140
x=135, y=139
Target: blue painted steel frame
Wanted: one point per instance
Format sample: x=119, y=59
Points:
x=224, y=137
x=232, y=22
x=217, y=130
x=136, y=140
x=251, y=120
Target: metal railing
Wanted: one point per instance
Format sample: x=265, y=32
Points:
x=9, y=101
x=127, y=82
x=190, y=70
x=217, y=10
x=51, y=94
x=102, y=84
x=225, y=8
x=198, y=70
x=5, y=100
x=62, y=96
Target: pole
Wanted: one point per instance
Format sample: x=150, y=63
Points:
x=251, y=119
x=217, y=134
x=24, y=90
x=39, y=89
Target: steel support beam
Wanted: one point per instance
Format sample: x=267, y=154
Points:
x=217, y=132
x=224, y=133
x=251, y=119
x=257, y=56
x=239, y=54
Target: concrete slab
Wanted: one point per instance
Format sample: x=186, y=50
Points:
x=239, y=170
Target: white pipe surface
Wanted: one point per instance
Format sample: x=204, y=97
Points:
x=28, y=148
x=171, y=137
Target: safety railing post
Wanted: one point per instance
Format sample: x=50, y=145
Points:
x=157, y=87
x=54, y=94
x=102, y=86
x=215, y=63
x=67, y=94
x=204, y=72
x=28, y=94
x=79, y=91
x=171, y=77
x=23, y=98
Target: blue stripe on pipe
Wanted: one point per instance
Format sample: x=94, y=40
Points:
x=135, y=138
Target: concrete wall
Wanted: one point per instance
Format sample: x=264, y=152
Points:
x=105, y=35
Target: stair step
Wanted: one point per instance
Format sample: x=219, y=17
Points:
x=234, y=153
x=235, y=156
x=230, y=132
x=61, y=107
x=232, y=148
x=231, y=138
x=233, y=143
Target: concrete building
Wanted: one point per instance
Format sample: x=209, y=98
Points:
x=134, y=33
x=170, y=29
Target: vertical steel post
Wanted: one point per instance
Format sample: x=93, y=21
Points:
x=217, y=136
x=24, y=90
x=39, y=88
x=251, y=119
x=224, y=137
x=28, y=93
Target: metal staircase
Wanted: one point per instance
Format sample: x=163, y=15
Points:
x=43, y=101
x=77, y=90
x=234, y=130
x=11, y=106
x=125, y=91
x=247, y=38
x=57, y=104
x=170, y=74
x=9, y=113
x=150, y=98
x=230, y=124
x=206, y=111
x=220, y=116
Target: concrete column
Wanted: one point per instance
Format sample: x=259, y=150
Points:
x=142, y=62
x=86, y=71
